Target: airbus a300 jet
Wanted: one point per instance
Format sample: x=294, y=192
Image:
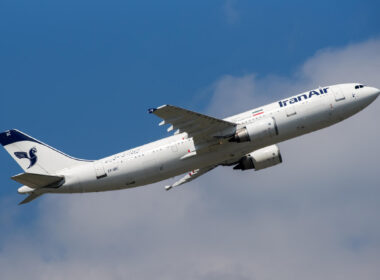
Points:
x=199, y=144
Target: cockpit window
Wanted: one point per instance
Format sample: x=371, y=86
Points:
x=358, y=86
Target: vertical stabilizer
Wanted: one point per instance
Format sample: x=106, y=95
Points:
x=33, y=155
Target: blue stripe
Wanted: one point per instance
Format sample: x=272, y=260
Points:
x=12, y=136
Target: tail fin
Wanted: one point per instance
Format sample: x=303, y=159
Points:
x=34, y=156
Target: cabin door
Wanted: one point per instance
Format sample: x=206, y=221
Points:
x=338, y=94
x=99, y=169
x=291, y=111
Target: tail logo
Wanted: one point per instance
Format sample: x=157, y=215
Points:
x=32, y=156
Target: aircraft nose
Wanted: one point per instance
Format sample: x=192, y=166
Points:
x=377, y=93
x=367, y=95
x=374, y=92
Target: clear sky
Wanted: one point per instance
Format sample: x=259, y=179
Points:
x=80, y=75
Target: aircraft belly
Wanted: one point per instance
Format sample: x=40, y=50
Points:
x=148, y=167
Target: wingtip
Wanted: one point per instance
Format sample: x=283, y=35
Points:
x=162, y=106
x=151, y=110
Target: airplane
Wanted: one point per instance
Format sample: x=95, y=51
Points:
x=199, y=144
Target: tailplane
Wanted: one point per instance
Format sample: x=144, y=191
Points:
x=36, y=181
x=36, y=184
x=30, y=197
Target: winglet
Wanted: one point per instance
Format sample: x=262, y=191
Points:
x=152, y=110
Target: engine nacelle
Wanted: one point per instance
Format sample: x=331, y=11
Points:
x=260, y=159
x=256, y=131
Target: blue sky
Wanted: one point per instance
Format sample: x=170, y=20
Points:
x=80, y=75
x=107, y=61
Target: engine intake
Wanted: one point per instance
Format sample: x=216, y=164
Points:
x=256, y=131
x=260, y=159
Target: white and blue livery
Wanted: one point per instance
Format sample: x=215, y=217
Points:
x=199, y=143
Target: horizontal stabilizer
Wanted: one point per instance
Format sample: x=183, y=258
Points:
x=35, y=181
x=30, y=197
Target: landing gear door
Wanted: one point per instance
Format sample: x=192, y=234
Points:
x=99, y=169
x=338, y=94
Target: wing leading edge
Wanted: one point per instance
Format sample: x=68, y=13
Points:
x=201, y=127
x=190, y=176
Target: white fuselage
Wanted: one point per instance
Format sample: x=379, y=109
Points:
x=159, y=160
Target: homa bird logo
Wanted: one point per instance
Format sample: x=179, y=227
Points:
x=32, y=156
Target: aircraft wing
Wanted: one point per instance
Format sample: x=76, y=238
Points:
x=201, y=127
x=190, y=176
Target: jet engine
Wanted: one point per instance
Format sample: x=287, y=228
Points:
x=256, y=131
x=260, y=159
